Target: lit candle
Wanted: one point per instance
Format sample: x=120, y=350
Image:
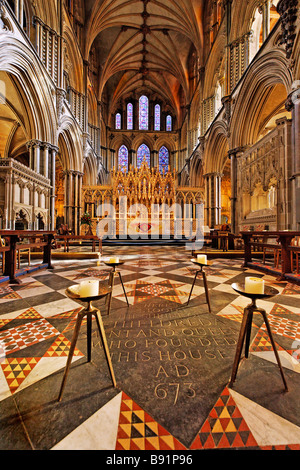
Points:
x=114, y=260
x=74, y=289
x=254, y=285
x=89, y=288
x=99, y=259
x=202, y=259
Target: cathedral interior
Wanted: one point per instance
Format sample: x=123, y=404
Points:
x=135, y=137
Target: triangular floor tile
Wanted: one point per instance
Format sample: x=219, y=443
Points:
x=61, y=347
x=262, y=343
x=16, y=369
x=30, y=313
x=224, y=427
x=138, y=430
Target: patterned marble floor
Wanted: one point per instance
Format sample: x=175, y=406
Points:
x=172, y=361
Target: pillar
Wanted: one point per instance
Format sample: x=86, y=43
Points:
x=213, y=199
x=233, y=156
x=34, y=147
x=293, y=105
x=68, y=196
x=266, y=19
x=154, y=159
x=44, y=162
x=52, y=151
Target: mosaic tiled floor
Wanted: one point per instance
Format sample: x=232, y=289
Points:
x=172, y=361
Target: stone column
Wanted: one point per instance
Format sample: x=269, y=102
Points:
x=154, y=159
x=68, y=197
x=85, y=100
x=52, y=156
x=44, y=162
x=78, y=208
x=266, y=19
x=134, y=160
x=207, y=199
x=213, y=199
x=233, y=155
x=34, y=147
x=293, y=105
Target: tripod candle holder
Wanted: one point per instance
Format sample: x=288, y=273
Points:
x=201, y=265
x=245, y=330
x=89, y=312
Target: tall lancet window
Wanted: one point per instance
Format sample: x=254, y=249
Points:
x=169, y=123
x=123, y=158
x=163, y=159
x=118, y=121
x=143, y=113
x=143, y=152
x=130, y=116
x=157, y=117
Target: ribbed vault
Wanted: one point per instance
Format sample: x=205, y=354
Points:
x=144, y=44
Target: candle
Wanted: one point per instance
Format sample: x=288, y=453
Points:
x=254, y=285
x=202, y=259
x=74, y=289
x=114, y=260
x=99, y=259
x=89, y=288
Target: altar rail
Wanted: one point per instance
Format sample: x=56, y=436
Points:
x=16, y=240
x=282, y=242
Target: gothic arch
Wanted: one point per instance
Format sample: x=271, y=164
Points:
x=69, y=142
x=118, y=140
x=37, y=112
x=196, y=171
x=142, y=139
x=90, y=176
x=194, y=111
x=216, y=148
x=163, y=141
x=262, y=76
x=73, y=61
x=216, y=65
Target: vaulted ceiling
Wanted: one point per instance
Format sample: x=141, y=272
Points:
x=144, y=45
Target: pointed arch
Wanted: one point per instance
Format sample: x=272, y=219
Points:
x=143, y=152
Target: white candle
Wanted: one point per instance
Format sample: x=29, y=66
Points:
x=254, y=285
x=89, y=288
x=202, y=259
x=99, y=259
x=74, y=289
x=114, y=260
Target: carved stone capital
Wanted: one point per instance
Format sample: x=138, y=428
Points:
x=288, y=10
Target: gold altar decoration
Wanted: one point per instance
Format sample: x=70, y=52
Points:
x=143, y=186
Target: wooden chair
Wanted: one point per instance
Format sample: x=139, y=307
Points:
x=295, y=254
x=275, y=251
x=223, y=240
x=24, y=251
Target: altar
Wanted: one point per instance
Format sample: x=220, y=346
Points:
x=143, y=202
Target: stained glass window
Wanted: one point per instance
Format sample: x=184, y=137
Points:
x=143, y=113
x=118, y=121
x=123, y=158
x=157, y=117
x=130, y=116
x=169, y=123
x=143, y=151
x=163, y=159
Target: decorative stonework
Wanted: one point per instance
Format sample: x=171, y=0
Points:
x=288, y=10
